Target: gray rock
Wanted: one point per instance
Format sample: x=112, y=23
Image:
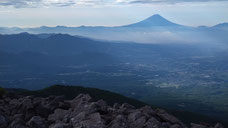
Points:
x=165, y=125
x=29, y=114
x=3, y=121
x=7, y=99
x=139, y=123
x=58, y=115
x=37, y=101
x=148, y=111
x=90, y=121
x=167, y=117
x=27, y=104
x=152, y=123
x=79, y=99
x=37, y=122
x=17, y=121
x=79, y=117
x=14, y=102
x=101, y=106
x=126, y=105
x=64, y=105
x=43, y=110
x=54, y=102
x=116, y=106
x=84, y=106
x=132, y=117
x=125, y=109
x=176, y=126
x=218, y=125
x=193, y=125
x=60, y=125
x=119, y=122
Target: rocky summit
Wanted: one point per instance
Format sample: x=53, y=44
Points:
x=81, y=112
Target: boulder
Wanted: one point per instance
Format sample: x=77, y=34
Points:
x=60, y=125
x=14, y=102
x=175, y=126
x=147, y=111
x=165, y=125
x=37, y=101
x=58, y=115
x=85, y=107
x=37, y=122
x=81, y=98
x=3, y=121
x=27, y=104
x=64, y=105
x=152, y=123
x=125, y=109
x=119, y=122
x=193, y=125
x=88, y=121
x=164, y=116
x=116, y=106
x=139, y=123
x=43, y=110
x=132, y=117
x=101, y=106
x=54, y=101
x=17, y=121
x=218, y=125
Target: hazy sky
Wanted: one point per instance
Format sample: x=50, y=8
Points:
x=33, y=13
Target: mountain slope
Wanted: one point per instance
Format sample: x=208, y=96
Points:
x=221, y=25
x=69, y=92
x=154, y=21
x=58, y=44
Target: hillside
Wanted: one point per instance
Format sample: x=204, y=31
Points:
x=70, y=92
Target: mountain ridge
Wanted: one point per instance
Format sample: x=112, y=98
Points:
x=225, y=24
x=151, y=18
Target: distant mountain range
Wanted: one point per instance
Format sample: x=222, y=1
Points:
x=154, y=29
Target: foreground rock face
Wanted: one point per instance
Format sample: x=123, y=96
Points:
x=55, y=112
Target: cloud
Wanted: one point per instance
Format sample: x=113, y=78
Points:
x=20, y=3
x=48, y=3
x=36, y=3
x=61, y=3
x=167, y=1
x=58, y=3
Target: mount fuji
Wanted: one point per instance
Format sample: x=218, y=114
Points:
x=155, y=20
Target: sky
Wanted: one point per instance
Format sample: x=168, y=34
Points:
x=35, y=13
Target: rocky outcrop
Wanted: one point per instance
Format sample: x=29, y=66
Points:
x=81, y=112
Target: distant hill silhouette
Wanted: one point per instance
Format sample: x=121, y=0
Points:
x=155, y=29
